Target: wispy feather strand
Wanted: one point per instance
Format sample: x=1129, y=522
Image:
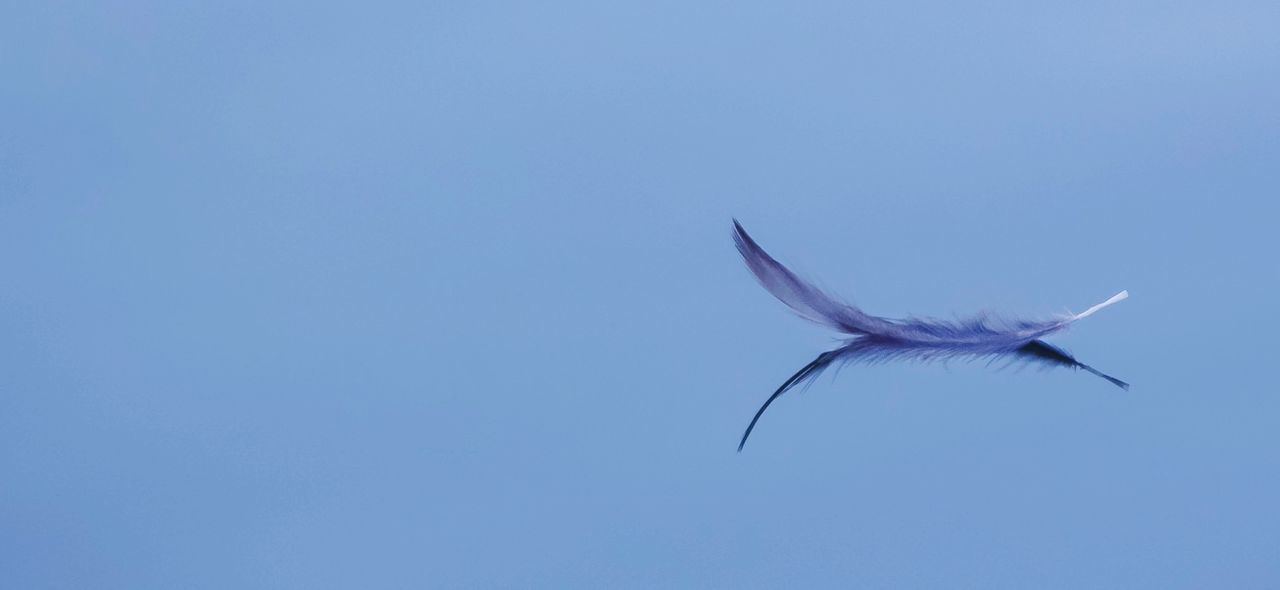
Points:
x=874, y=339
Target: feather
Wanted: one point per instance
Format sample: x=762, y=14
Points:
x=871, y=339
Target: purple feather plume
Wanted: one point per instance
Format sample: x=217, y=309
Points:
x=874, y=339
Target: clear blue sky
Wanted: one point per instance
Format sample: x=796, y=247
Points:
x=410, y=295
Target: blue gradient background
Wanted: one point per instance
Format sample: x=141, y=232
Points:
x=416, y=295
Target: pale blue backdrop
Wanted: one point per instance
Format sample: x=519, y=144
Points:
x=418, y=295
